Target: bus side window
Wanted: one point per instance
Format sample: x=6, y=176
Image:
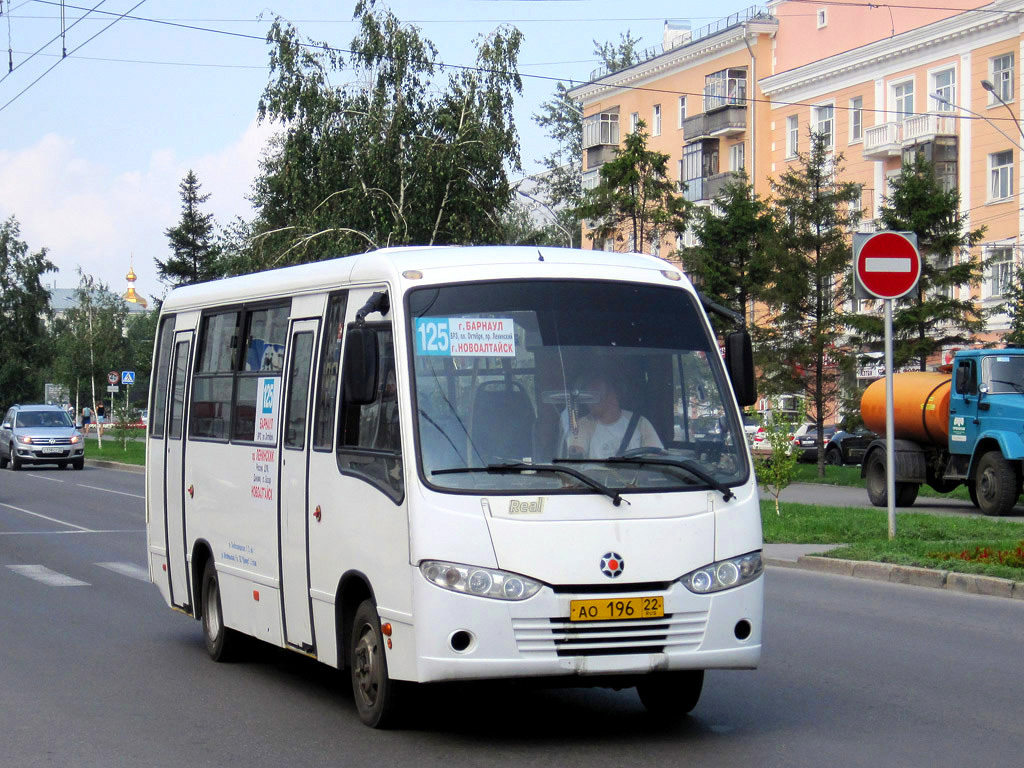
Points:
x=369, y=439
x=158, y=398
x=327, y=380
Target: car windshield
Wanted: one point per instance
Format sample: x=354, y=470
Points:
x=42, y=419
x=569, y=373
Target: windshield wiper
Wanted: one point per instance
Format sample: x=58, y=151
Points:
x=519, y=466
x=1016, y=385
x=641, y=456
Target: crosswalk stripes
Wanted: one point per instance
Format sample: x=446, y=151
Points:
x=44, y=575
x=53, y=578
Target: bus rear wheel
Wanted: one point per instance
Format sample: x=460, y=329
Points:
x=377, y=696
x=221, y=643
x=671, y=694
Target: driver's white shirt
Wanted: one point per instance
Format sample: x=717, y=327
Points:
x=598, y=441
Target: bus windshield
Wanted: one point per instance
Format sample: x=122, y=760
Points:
x=516, y=382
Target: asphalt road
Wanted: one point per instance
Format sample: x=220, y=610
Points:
x=99, y=672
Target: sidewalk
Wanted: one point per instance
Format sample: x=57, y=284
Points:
x=802, y=556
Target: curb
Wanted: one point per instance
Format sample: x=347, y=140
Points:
x=104, y=464
x=907, y=574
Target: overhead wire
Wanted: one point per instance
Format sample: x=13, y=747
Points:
x=12, y=67
x=485, y=70
x=79, y=47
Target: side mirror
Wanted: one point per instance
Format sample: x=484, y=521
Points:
x=5, y=425
x=739, y=362
x=359, y=372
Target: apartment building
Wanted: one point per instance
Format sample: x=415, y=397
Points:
x=884, y=83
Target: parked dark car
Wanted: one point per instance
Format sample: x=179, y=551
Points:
x=848, y=447
x=806, y=441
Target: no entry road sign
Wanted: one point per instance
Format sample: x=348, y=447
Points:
x=887, y=265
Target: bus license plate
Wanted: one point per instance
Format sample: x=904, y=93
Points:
x=616, y=609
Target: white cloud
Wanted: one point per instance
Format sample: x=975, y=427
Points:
x=97, y=216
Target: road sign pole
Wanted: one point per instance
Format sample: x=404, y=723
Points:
x=890, y=456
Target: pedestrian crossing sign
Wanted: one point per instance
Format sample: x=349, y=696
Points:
x=127, y=377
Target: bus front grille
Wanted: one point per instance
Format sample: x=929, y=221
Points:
x=675, y=632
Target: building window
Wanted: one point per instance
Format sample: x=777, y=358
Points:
x=944, y=85
x=856, y=119
x=1000, y=271
x=601, y=129
x=1001, y=175
x=682, y=110
x=590, y=179
x=700, y=160
x=634, y=121
x=1002, y=77
x=727, y=87
x=656, y=120
x=822, y=17
x=823, y=119
x=903, y=100
x=792, y=135
x=737, y=157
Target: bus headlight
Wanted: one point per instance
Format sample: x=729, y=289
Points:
x=482, y=582
x=724, y=574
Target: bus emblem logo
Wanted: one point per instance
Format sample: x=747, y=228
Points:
x=612, y=565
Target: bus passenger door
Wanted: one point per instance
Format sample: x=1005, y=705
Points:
x=294, y=488
x=174, y=472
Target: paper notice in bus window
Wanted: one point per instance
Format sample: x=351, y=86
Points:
x=466, y=336
x=268, y=399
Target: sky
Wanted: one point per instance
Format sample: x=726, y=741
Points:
x=93, y=150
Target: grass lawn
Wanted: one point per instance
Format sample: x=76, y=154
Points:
x=113, y=450
x=850, y=476
x=922, y=540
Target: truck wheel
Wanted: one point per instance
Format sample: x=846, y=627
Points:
x=996, y=484
x=874, y=479
x=670, y=695
x=834, y=456
x=972, y=491
x=906, y=494
x=378, y=697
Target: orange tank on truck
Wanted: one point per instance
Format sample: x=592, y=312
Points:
x=920, y=407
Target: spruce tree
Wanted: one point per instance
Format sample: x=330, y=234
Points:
x=192, y=241
x=808, y=293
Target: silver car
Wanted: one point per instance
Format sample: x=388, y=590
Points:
x=40, y=434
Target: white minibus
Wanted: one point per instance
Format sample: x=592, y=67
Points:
x=460, y=463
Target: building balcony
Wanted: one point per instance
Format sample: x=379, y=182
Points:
x=729, y=121
x=921, y=128
x=883, y=141
x=707, y=187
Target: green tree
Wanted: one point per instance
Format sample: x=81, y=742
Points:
x=776, y=472
x=1013, y=306
x=24, y=308
x=396, y=157
x=931, y=317
x=737, y=249
x=620, y=56
x=807, y=296
x=193, y=243
x=635, y=203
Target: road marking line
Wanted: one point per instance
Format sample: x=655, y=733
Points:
x=43, y=477
x=107, y=490
x=44, y=517
x=44, y=575
x=127, y=569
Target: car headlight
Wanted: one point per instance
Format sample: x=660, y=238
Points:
x=75, y=439
x=724, y=574
x=25, y=439
x=482, y=582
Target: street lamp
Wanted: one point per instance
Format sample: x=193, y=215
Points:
x=554, y=216
x=940, y=98
x=987, y=85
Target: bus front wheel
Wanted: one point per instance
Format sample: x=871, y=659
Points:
x=221, y=643
x=377, y=696
x=671, y=694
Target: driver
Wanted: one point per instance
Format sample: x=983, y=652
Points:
x=607, y=429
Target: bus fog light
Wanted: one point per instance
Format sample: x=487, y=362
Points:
x=482, y=582
x=724, y=574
